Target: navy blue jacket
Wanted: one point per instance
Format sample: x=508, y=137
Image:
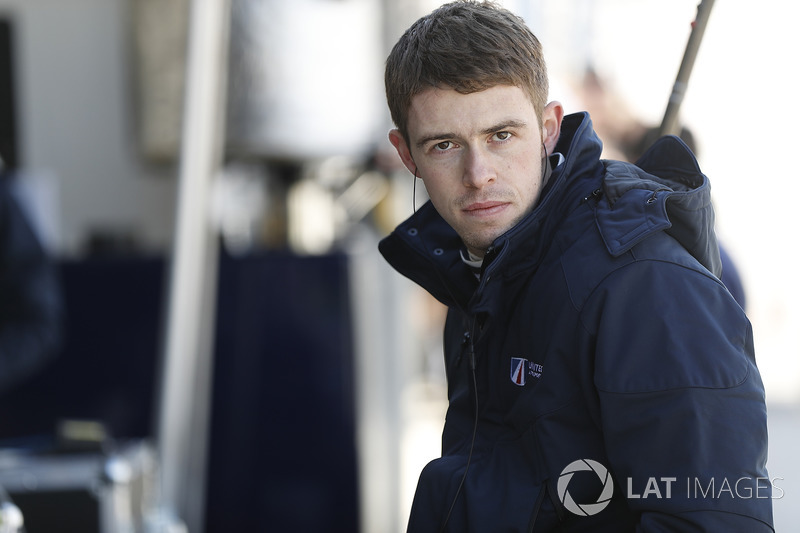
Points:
x=613, y=374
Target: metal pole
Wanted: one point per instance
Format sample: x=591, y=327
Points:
x=185, y=380
x=670, y=125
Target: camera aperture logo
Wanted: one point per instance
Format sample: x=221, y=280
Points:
x=585, y=509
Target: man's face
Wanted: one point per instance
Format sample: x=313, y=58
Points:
x=480, y=157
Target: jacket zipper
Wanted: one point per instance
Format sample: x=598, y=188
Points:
x=537, y=506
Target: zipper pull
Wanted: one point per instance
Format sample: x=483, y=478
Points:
x=467, y=342
x=596, y=194
x=472, y=363
x=464, y=343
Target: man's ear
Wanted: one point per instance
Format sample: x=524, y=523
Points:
x=399, y=143
x=551, y=125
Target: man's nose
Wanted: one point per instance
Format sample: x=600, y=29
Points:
x=478, y=170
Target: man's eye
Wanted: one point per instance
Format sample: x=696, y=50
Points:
x=444, y=145
x=502, y=135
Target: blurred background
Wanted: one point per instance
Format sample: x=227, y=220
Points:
x=208, y=182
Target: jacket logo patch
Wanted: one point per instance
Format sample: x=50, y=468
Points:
x=521, y=369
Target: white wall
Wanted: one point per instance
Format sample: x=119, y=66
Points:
x=76, y=120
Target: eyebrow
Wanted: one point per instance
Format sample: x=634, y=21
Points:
x=506, y=124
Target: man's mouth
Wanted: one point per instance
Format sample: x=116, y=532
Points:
x=485, y=208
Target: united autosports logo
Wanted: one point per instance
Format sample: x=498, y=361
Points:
x=522, y=369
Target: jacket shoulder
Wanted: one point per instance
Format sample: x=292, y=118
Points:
x=587, y=263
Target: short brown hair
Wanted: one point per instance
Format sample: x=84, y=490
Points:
x=468, y=46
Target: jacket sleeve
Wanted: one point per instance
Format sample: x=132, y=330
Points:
x=681, y=400
x=30, y=297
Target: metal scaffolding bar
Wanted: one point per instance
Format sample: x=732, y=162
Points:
x=185, y=381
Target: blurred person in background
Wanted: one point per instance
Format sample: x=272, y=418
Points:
x=30, y=296
x=598, y=370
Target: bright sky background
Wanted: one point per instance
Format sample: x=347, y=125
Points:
x=741, y=106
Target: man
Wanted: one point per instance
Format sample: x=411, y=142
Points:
x=600, y=377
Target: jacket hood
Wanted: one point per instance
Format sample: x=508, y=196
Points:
x=664, y=190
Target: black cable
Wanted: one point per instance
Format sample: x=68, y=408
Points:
x=473, y=365
x=414, y=192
